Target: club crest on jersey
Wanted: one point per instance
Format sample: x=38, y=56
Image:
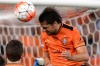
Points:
x=42, y=44
x=64, y=41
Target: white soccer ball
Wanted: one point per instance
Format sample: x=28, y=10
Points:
x=25, y=11
x=40, y=61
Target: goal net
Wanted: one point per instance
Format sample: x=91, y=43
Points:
x=88, y=24
x=87, y=21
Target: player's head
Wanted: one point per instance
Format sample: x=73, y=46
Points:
x=2, y=61
x=49, y=20
x=14, y=50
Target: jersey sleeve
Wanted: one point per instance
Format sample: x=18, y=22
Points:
x=77, y=38
x=43, y=39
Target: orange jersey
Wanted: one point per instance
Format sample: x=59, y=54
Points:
x=68, y=38
x=14, y=65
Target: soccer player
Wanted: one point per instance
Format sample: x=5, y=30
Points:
x=63, y=44
x=14, y=51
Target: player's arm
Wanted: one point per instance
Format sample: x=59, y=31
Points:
x=47, y=59
x=78, y=42
x=82, y=54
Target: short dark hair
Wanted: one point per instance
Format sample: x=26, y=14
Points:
x=50, y=15
x=14, y=50
x=2, y=61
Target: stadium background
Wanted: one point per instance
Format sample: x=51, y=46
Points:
x=87, y=20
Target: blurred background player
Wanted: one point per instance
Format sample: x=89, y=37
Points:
x=14, y=51
x=63, y=44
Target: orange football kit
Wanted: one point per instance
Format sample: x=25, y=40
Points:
x=68, y=38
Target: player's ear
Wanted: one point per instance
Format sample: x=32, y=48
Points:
x=21, y=59
x=22, y=56
x=23, y=53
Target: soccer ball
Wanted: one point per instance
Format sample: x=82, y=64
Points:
x=24, y=11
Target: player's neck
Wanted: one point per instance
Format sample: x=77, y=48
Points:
x=10, y=62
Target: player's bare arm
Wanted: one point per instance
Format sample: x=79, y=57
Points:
x=81, y=56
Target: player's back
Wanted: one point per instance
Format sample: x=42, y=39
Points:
x=14, y=64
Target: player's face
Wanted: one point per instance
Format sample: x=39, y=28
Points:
x=49, y=29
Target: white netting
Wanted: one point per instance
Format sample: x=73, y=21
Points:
x=88, y=24
x=29, y=35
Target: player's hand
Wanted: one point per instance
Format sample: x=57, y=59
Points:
x=67, y=55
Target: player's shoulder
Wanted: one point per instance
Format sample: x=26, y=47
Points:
x=70, y=27
x=67, y=26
